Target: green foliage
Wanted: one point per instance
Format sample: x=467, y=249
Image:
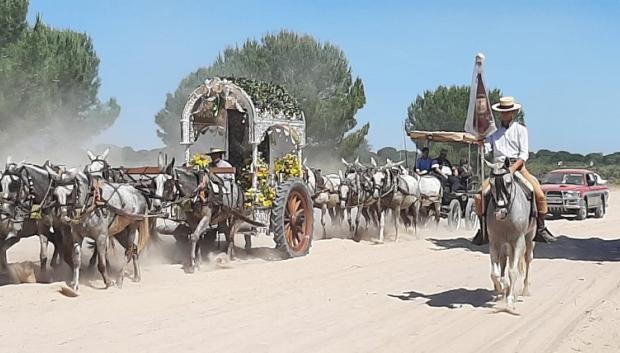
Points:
x=49, y=82
x=12, y=20
x=317, y=74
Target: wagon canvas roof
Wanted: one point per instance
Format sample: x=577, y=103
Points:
x=442, y=136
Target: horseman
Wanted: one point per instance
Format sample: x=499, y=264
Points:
x=511, y=141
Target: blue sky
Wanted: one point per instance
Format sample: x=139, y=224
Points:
x=560, y=59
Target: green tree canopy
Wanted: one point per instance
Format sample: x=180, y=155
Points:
x=48, y=81
x=317, y=74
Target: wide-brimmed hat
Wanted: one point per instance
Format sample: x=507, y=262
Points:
x=215, y=151
x=506, y=104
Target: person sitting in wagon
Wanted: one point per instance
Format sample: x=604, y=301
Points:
x=223, y=180
x=424, y=163
x=443, y=169
x=218, y=161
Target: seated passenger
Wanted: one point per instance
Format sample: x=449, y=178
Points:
x=465, y=173
x=443, y=169
x=424, y=163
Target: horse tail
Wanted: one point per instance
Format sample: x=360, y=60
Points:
x=144, y=234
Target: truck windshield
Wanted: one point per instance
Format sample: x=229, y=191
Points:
x=563, y=178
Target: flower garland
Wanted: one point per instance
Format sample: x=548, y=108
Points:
x=265, y=194
x=289, y=166
x=199, y=161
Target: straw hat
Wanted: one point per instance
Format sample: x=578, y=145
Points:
x=215, y=151
x=506, y=104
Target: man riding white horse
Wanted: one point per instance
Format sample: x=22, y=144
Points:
x=511, y=141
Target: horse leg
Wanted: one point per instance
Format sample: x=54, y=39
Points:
x=137, y=269
x=230, y=240
x=56, y=241
x=102, y=241
x=356, y=236
x=44, y=242
x=513, y=271
x=323, y=211
x=496, y=272
x=76, y=261
x=202, y=227
x=350, y=220
x=4, y=247
x=248, y=241
x=529, y=255
x=395, y=216
x=381, y=225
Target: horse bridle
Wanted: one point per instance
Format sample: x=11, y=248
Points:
x=505, y=191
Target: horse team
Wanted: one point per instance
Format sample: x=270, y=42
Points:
x=65, y=206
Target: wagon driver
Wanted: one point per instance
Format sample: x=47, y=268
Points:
x=511, y=141
x=218, y=161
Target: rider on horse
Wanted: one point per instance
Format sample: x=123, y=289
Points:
x=511, y=141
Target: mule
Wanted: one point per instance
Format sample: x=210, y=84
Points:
x=98, y=209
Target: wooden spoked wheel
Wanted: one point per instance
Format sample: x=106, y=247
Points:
x=292, y=219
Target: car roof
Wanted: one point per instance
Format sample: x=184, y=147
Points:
x=583, y=171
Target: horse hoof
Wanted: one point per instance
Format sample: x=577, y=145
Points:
x=526, y=292
x=136, y=279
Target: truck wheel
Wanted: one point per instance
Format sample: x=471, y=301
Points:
x=292, y=219
x=583, y=212
x=600, y=210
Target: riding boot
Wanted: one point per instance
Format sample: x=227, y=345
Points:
x=478, y=238
x=543, y=235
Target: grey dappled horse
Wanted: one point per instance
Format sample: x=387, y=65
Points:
x=511, y=226
x=22, y=187
x=98, y=209
x=325, y=194
x=396, y=191
x=357, y=192
x=214, y=204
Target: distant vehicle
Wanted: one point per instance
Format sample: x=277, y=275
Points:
x=576, y=191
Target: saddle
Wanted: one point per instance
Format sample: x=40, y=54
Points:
x=524, y=184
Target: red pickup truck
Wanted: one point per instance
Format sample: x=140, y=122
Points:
x=576, y=191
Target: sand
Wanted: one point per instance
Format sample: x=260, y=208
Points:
x=426, y=293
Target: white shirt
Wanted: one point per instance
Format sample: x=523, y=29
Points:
x=511, y=142
x=224, y=164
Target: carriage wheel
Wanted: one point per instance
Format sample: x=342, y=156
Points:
x=454, y=214
x=471, y=218
x=292, y=219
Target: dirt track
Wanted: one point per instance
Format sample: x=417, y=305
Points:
x=412, y=296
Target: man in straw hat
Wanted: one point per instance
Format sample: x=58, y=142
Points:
x=218, y=161
x=511, y=141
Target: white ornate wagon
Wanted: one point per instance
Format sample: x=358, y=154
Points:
x=260, y=124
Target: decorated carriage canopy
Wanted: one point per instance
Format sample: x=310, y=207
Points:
x=260, y=105
x=442, y=136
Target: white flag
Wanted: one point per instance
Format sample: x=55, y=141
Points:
x=479, y=122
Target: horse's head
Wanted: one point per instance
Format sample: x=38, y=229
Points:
x=69, y=192
x=98, y=166
x=164, y=185
x=502, y=186
x=344, y=189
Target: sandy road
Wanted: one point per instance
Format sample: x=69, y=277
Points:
x=429, y=293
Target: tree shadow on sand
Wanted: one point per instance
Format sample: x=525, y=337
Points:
x=568, y=248
x=451, y=299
